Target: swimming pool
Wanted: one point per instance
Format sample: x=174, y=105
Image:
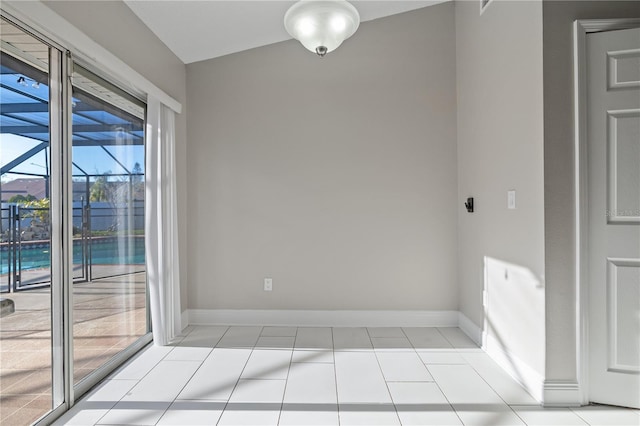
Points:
x=103, y=251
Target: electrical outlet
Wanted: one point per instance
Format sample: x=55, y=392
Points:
x=268, y=284
x=511, y=199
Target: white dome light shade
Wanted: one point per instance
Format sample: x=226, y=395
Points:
x=321, y=25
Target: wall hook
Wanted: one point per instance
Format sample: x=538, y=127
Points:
x=469, y=204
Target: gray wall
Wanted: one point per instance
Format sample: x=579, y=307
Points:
x=336, y=177
x=500, y=148
x=559, y=174
x=114, y=26
x=359, y=209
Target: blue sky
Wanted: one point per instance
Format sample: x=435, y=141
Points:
x=93, y=159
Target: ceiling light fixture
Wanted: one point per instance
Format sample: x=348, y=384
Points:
x=321, y=25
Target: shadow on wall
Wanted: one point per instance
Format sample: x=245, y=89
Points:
x=514, y=328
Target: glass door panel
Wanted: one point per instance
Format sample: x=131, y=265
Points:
x=110, y=311
x=25, y=243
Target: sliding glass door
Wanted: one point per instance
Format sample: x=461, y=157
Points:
x=73, y=287
x=109, y=307
x=26, y=373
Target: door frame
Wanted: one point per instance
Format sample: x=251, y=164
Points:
x=580, y=30
x=65, y=392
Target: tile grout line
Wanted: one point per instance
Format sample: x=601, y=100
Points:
x=22, y=407
x=137, y=380
x=579, y=416
x=335, y=374
x=286, y=381
x=240, y=375
x=446, y=339
x=482, y=377
x=432, y=376
x=445, y=396
x=492, y=388
x=234, y=387
x=386, y=383
x=180, y=391
x=410, y=342
x=187, y=382
x=496, y=392
x=479, y=375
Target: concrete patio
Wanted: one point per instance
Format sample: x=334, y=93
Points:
x=109, y=314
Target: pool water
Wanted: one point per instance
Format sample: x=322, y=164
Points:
x=103, y=252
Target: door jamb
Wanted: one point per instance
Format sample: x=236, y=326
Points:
x=580, y=30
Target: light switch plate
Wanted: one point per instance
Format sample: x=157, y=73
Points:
x=511, y=199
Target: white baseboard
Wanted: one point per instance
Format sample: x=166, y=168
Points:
x=561, y=394
x=324, y=318
x=519, y=370
x=470, y=328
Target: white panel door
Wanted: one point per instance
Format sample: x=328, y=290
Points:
x=613, y=73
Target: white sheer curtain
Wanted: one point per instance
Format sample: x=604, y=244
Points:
x=162, y=254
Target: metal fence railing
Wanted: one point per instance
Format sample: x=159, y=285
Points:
x=107, y=241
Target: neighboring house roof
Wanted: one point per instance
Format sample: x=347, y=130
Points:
x=23, y=186
x=36, y=187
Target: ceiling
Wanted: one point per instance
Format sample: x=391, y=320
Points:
x=199, y=30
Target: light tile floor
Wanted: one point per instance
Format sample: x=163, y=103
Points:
x=321, y=376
